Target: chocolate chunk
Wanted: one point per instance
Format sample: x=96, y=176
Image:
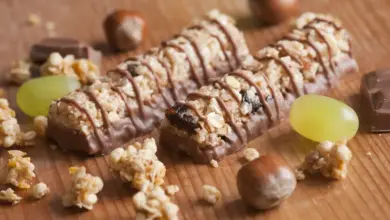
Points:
x=181, y=117
x=65, y=46
x=375, y=90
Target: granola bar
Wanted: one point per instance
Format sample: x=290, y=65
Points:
x=221, y=118
x=130, y=101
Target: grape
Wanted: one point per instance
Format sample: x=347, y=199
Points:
x=320, y=118
x=35, y=96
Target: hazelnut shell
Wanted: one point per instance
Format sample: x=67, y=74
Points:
x=118, y=34
x=274, y=11
x=265, y=182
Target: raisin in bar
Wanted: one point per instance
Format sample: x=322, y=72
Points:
x=221, y=118
x=131, y=100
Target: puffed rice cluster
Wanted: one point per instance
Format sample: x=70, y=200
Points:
x=330, y=159
x=9, y=195
x=139, y=165
x=86, y=71
x=156, y=204
x=20, y=169
x=20, y=72
x=84, y=189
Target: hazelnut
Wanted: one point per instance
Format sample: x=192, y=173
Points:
x=274, y=11
x=125, y=30
x=265, y=182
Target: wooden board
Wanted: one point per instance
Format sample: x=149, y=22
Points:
x=365, y=194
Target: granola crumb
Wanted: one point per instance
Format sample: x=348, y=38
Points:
x=172, y=189
x=20, y=72
x=250, y=154
x=155, y=204
x=139, y=165
x=39, y=190
x=299, y=174
x=214, y=163
x=10, y=133
x=9, y=195
x=50, y=28
x=211, y=194
x=28, y=138
x=369, y=154
x=20, y=169
x=84, y=189
x=40, y=125
x=330, y=159
x=34, y=19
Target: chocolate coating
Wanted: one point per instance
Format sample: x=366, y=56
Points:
x=265, y=182
x=375, y=91
x=41, y=51
x=274, y=11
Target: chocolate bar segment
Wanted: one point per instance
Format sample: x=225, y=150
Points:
x=375, y=92
x=221, y=118
x=131, y=100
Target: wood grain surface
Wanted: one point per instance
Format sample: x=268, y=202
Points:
x=365, y=194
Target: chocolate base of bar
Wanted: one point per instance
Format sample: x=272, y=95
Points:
x=256, y=125
x=374, y=91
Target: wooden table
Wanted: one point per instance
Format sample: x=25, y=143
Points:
x=365, y=194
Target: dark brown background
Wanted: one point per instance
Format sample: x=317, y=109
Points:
x=365, y=194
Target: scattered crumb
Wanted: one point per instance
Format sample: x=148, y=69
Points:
x=330, y=159
x=28, y=138
x=53, y=146
x=39, y=190
x=9, y=195
x=40, y=125
x=211, y=194
x=20, y=169
x=155, y=204
x=250, y=154
x=10, y=134
x=172, y=189
x=34, y=19
x=299, y=174
x=214, y=163
x=20, y=72
x=369, y=154
x=50, y=28
x=84, y=189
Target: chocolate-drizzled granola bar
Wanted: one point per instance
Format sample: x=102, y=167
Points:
x=131, y=99
x=221, y=118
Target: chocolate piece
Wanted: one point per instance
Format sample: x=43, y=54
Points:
x=131, y=100
x=41, y=51
x=375, y=90
x=247, y=102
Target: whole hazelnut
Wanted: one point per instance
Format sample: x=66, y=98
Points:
x=274, y=11
x=125, y=30
x=265, y=182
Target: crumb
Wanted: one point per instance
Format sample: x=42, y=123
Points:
x=53, y=146
x=214, y=163
x=172, y=189
x=40, y=125
x=34, y=19
x=20, y=72
x=250, y=154
x=155, y=204
x=299, y=174
x=329, y=159
x=39, y=190
x=50, y=28
x=211, y=194
x=10, y=133
x=9, y=195
x=28, y=138
x=84, y=189
x=369, y=154
x=20, y=169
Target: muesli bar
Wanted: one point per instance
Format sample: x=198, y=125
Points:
x=221, y=118
x=130, y=101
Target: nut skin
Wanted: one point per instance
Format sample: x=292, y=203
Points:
x=265, y=182
x=274, y=11
x=125, y=30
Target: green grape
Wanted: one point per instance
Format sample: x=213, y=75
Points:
x=35, y=96
x=320, y=118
